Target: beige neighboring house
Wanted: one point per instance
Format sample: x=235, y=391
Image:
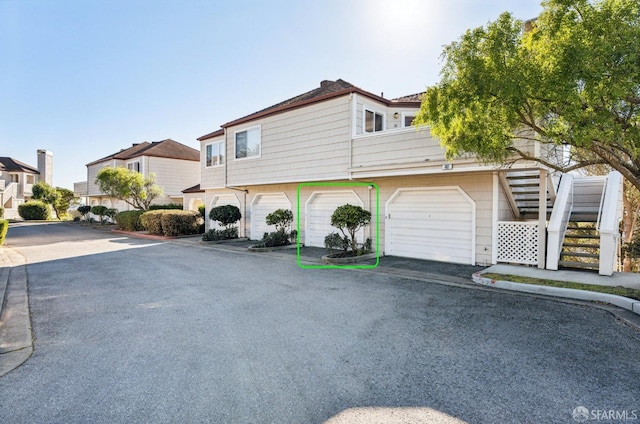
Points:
x=174, y=165
x=305, y=153
x=17, y=180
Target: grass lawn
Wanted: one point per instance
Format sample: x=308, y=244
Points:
x=620, y=291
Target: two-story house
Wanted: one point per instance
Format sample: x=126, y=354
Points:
x=174, y=166
x=427, y=207
x=17, y=179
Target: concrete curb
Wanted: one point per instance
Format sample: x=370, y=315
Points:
x=16, y=340
x=589, y=296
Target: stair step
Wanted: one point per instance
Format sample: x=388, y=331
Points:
x=524, y=185
x=580, y=255
x=579, y=265
x=583, y=245
x=514, y=176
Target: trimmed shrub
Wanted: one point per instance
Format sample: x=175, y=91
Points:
x=275, y=239
x=180, y=223
x=84, y=210
x=349, y=219
x=223, y=234
x=152, y=222
x=99, y=210
x=335, y=241
x=281, y=218
x=226, y=215
x=34, y=210
x=129, y=220
x=4, y=226
x=171, y=222
x=172, y=206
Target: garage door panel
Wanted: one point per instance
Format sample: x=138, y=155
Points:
x=434, y=224
x=318, y=215
x=263, y=205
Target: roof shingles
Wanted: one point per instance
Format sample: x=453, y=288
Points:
x=165, y=149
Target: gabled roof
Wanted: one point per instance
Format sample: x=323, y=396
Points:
x=11, y=165
x=211, y=135
x=327, y=90
x=195, y=189
x=163, y=149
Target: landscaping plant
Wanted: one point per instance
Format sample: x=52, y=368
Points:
x=349, y=219
x=34, y=210
x=227, y=216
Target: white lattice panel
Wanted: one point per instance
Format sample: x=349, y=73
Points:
x=518, y=242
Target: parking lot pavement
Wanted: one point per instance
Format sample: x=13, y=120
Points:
x=135, y=331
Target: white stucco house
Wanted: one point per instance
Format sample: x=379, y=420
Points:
x=306, y=154
x=17, y=179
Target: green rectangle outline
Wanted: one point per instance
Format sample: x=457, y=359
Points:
x=377, y=217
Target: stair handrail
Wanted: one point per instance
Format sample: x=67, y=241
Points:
x=609, y=218
x=559, y=220
x=602, y=197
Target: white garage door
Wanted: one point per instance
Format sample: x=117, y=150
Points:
x=319, y=208
x=431, y=223
x=221, y=200
x=263, y=205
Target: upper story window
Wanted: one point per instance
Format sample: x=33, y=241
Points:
x=14, y=178
x=248, y=143
x=407, y=119
x=214, y=154
x=134, y=166
x=30, y=179
x=373, y=121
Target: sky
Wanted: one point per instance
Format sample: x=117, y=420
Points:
x=86, y=78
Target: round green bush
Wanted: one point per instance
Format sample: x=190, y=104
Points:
x=34, y=210
x=226, y=215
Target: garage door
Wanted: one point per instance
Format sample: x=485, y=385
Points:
x=263, y=205
x=319, y=208
x=221, y=200
x=431, y=223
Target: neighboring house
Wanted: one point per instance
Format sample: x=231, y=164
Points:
x=461, y=211
x=17, y=179
x=174, y=165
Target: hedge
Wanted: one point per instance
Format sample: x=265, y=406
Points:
x=34, y=210
x=180, y=223
x=171, y=223
x=4, y=226
x=129, y=221
x=172, y=206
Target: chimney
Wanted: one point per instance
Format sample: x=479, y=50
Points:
x=325, y=83
x=45, y=166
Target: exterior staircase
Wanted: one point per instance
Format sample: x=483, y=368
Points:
x=582, y=231
x=581, y=246
x=523, y=187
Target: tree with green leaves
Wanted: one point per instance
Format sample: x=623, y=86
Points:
x=570, y=78
x=129, y=186
x=349, y=219
x=59, y=198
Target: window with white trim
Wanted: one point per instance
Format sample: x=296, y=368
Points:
x=373, y=121
x=134, y=166
x=407, y=119
x=214, y=154
x=248, y=143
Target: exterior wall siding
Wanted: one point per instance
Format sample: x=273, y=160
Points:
x=305, y=144
x=478, y=186
x=173, y=175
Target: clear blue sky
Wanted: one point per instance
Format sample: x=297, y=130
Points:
x=85, y=78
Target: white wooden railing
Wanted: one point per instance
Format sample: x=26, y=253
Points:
x=559, y=220
x=609, y=217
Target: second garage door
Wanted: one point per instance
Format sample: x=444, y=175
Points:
x=263, y=205
x=431, y=223
x=319, y=208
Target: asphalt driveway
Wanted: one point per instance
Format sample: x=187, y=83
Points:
x=135, y=331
